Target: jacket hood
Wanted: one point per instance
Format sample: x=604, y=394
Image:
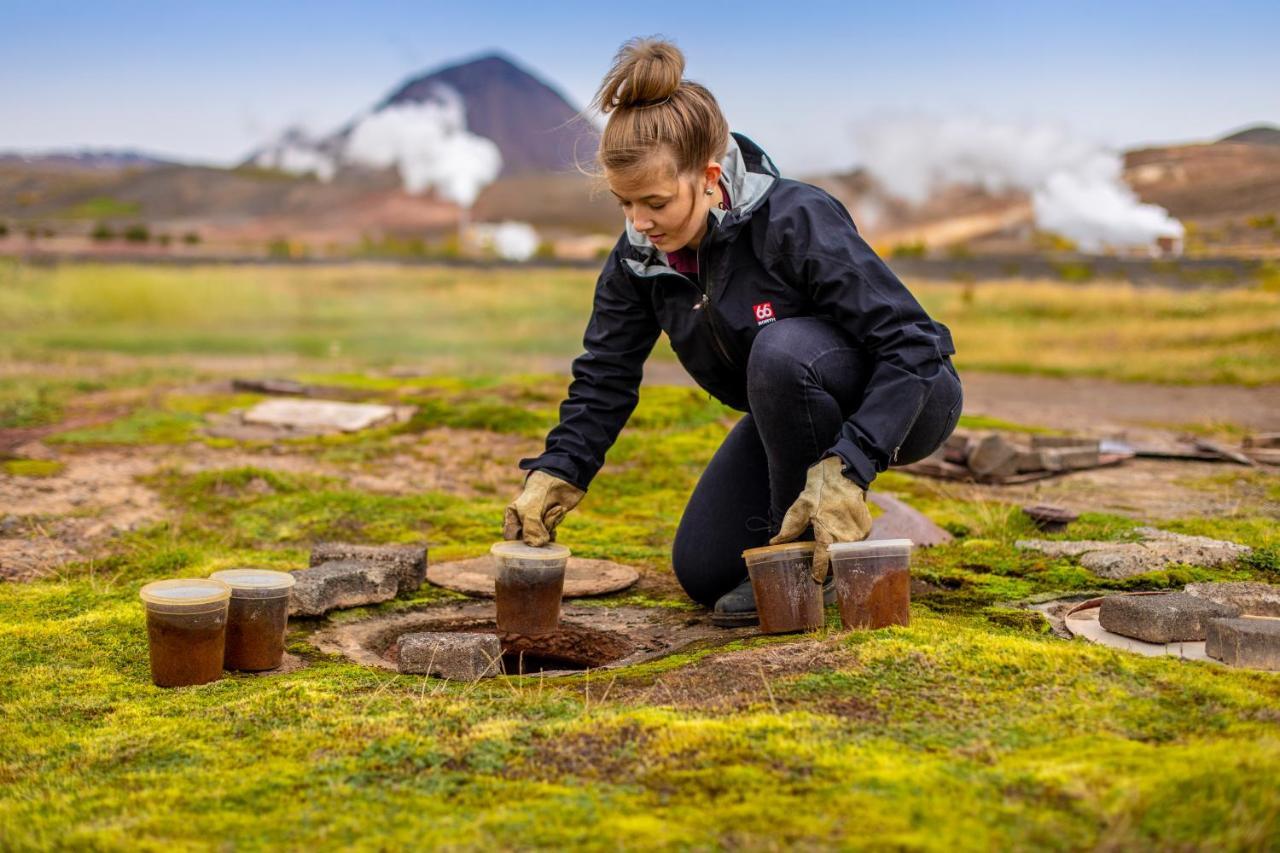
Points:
x=750, y=176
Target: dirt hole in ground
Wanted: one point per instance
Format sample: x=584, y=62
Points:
x=589, y=637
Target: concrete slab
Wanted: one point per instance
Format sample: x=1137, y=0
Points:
x=459, y=656
x=409, y=561
x=1173, y=617
x=1251, y=642
x=345, y=583
x=318, y=416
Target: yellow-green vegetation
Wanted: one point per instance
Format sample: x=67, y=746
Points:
x=477, y=321
x=971, y=729
x=33, y=467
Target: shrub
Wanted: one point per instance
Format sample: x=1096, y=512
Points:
x=909, y=250
x=137, y=233
x=191, y=238
x=102, y=231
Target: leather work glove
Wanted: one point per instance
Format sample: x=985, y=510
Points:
x=542, y=505
x=836, y=507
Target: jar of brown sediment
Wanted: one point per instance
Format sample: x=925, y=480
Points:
x=258, y=618
x=186, y=628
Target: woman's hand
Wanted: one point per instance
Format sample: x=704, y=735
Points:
x=835, y=506
x=540, y=508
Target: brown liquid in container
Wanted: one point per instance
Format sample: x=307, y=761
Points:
x=186, y=648
x=873, y=583
x=788, y=599
x=528, y=587
x=528, y=598
x=255, y=633
x=259, y=616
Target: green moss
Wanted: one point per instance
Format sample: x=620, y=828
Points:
x=144, y=426
x=33, y=467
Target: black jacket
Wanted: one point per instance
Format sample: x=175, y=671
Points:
x=786, y=249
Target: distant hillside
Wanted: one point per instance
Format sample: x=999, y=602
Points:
x=1259, y=134
x=91, y=159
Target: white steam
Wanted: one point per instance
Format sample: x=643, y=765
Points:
x=512, y=241
x=428, y=142
x=1077, y=189
x=296, y=153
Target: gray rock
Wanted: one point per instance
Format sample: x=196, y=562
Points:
x=457, y=656
x=344, y=583
x=1252, y=642
x=1157, y=550
x=1173, y=617
x=1253, y=599
x=409, y=561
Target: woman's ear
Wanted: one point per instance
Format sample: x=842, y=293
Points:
x=711, y=176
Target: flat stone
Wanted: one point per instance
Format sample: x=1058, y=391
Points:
x=1173, y=617
x=462, y=656
x=1252, y=598
x=1252, y=642
x=1157, y=550
x=897, y=520
x=410, y=561
x=345, y=583
x=312, y=416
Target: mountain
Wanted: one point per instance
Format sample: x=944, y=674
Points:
x=90, y=159
x=1258, y=134
x=534, y=126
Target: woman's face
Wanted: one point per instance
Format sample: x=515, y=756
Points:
x=669, y=209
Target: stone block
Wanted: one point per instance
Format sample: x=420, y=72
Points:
x=409, y=561
x=1252, y=598
x=993, y=457
x=460, y=656
x=344, y=583
x=1252, y=642
x=1173, y=617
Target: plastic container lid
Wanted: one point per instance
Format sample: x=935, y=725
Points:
x=256, y=583
x=185, y=592
x=871, y=548
x=785, y=551
x=551, y=553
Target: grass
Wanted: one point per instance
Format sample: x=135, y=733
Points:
x=452, y=320
x=970, y=729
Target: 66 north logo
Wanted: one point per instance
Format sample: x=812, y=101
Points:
x=764, y=313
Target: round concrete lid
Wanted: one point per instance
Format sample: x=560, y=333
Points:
x=582, y=577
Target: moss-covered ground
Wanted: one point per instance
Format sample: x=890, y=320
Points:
x=971, y=729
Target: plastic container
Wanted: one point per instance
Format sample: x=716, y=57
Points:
x=529, y=585
x=788, y=599
x=257, y=617
x=873, y=582
x=187, y=629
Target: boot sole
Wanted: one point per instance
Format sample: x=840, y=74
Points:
x=752, y=617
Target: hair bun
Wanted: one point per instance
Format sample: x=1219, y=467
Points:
x=646, y=71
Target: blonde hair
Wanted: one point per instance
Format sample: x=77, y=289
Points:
x=652, y=109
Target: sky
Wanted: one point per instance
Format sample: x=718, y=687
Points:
x=209, y=82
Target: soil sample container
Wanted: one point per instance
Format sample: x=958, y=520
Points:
x=528, y=587
x=187, y=627
x=873, y=582
x=257, y=617
x=788, y=599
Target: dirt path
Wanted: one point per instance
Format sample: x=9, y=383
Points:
x=1089, y=404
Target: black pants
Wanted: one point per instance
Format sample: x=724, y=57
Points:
x=805, y=377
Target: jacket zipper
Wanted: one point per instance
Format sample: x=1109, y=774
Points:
x=706, y=306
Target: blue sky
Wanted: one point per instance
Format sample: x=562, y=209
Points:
x=209, y=81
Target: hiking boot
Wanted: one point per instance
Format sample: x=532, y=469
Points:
x=737, y=607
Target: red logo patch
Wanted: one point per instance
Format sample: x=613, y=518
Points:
x=764, y=313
